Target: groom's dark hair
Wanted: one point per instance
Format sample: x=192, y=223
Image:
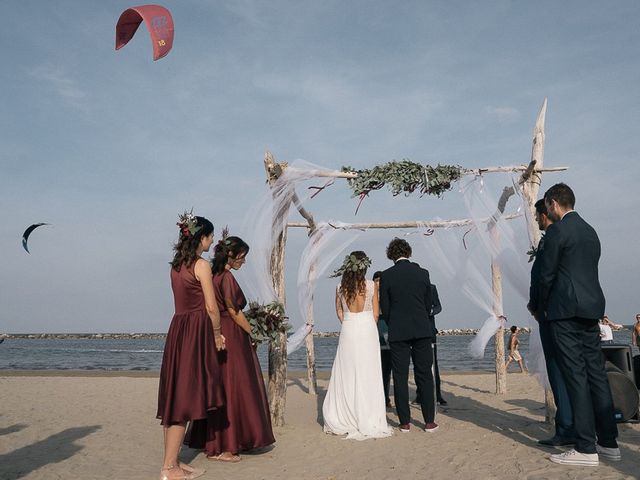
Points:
x=397, y=248
x=561, y=193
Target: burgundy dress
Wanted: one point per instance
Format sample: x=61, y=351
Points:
x=244, y=423
x=190, y=377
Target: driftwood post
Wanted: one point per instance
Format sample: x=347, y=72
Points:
x=277, y=349
x=496, y=287
x=530, y=190
x=312, y=380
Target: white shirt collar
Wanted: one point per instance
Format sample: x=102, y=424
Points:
x=401, y=258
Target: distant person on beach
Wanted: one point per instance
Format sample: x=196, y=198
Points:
x=245, y=422
x=606, y=334
x=405, y=303
x=190, y=376
x=354, y=404
x=635, y=334
x=514, y=354
x=564, y=434
x=607, y=321
x=385, y=350
x=573, y=301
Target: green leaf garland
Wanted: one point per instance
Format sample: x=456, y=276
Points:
x=404, y=176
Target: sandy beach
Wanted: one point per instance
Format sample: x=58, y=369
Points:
x=75, y=425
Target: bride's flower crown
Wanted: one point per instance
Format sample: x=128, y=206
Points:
x=352, y=264
x=188, y=224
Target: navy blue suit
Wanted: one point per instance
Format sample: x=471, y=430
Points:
x=405, y=304
x=564, y=413
x=571, y=300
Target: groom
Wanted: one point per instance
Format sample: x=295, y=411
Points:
x=405, y=303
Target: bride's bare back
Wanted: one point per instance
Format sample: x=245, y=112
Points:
x=365, y=300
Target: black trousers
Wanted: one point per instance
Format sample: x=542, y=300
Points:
x=421, y=352
x=564, y=414
x=436, y=374
x=385, y=357
x=577, y=346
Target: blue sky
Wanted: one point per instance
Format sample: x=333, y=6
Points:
x=110, y=146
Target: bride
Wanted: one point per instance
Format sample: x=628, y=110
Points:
x=354, y=404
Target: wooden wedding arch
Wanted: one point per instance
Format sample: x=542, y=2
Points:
x=529, y=180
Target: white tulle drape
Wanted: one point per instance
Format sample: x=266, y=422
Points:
x=464, y=255
x=265, y=222
x=329, y=241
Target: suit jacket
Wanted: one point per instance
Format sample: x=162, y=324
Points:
x=534, y=287
x=405, y=301
x=569, y=285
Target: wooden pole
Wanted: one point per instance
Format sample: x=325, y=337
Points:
x=277, y=389
x=530, y=190
x=312, y=380
x=432, y=224
x=464, y=171
x=496, y=287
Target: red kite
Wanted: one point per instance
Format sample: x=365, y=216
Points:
x=159, y=22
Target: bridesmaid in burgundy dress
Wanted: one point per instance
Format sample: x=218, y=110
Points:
x=245, y=422
x=190, y=377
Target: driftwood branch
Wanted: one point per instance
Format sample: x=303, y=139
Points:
x=431, y=224
x=464, y=171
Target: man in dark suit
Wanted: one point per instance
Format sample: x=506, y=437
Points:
x=405, y=304
x=571, y=299
x=564, y=434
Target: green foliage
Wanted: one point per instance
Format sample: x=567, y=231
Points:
x=351, y=262
x=404, y=177
x=267, y=321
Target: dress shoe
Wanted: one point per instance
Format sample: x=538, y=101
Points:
x=417, y=401
x=557, y=441
x=573, y=457
x=405, y=427
x=609, y=453
x=442, y=401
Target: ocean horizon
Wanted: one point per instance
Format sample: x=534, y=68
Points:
x=143, y=352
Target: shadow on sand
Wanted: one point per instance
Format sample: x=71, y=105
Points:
x=56, y=448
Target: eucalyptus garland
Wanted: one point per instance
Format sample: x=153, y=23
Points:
x=267, y=321
x=404, y=176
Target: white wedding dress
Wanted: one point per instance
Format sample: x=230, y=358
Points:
x=354, y=404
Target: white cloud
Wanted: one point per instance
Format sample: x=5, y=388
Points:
x=503, y=114
x=65, y=86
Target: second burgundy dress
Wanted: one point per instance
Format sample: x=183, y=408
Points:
x=244, y=423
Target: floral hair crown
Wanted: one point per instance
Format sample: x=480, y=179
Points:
x=224, y=239
x=188, y=224
x=352, y=264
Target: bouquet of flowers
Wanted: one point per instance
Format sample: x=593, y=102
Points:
x=267, y=321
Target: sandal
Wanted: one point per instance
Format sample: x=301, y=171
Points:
x=225, y=457
x=164, y=475
x=192, y=472
x=188, y=472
